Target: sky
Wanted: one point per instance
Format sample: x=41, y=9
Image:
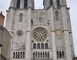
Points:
x=4, y=4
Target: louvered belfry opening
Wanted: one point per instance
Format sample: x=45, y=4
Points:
x=18, y=4
x=25, y=3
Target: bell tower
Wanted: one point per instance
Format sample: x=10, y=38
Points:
x=54, y=3
x=18, y=23
x=22, y=4
x=60, y=12
x=40, y=34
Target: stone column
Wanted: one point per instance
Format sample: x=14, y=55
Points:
x=55, y=3
x=28, y=36
x=22, y=4
x=10, y=25
x=30, y=5
x=10, y=20
x=66, y=34
x=46, y=4
x=70, y=29
x=52, y=27
x=12, y=3
x=67, y=46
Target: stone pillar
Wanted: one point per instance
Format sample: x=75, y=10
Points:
x=66, y=34
x=67, y=46
x=22, y=4
x=28, y=36
x=30, y=3
x=54, y=3
x=52, y=27
x=10, y=20
x=54, y=45
x=10, y=25
x=70, y=29
x=12, y=4
x=46, y=4
x=72, y=45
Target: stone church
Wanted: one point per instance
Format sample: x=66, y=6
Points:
x=40, y=34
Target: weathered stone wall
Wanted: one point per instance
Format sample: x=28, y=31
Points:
x=5, y=40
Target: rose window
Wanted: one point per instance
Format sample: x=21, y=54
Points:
x=40, y=34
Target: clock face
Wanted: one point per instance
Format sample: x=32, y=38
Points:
x=40, y=34
x=58, y=32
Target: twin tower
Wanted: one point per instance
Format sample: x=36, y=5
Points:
x=22, y=4
x=40, y=34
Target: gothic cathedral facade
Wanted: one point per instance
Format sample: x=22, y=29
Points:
x=40, y=34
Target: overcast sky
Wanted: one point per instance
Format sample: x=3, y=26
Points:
x=4, y=4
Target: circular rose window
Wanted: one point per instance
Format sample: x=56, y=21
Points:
x=40, y=34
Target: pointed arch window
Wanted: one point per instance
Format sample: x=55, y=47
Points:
x=46, y=46
x=14, y=55
x=33, y=55
x=34, y=46
x=58, y=3
x=48, y=55
x=42, y=46
x=23, y=55
x=18, y=4
x=38, y=46
x=21, y=15
x=57, y=15
x=62, y=54
x=57, y=54
x=18, y=55
x=25, y=3
x=51, y=2
x=40, y=19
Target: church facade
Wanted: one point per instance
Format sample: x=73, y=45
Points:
x=40, y=34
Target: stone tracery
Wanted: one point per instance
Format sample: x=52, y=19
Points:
x=40, y=34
